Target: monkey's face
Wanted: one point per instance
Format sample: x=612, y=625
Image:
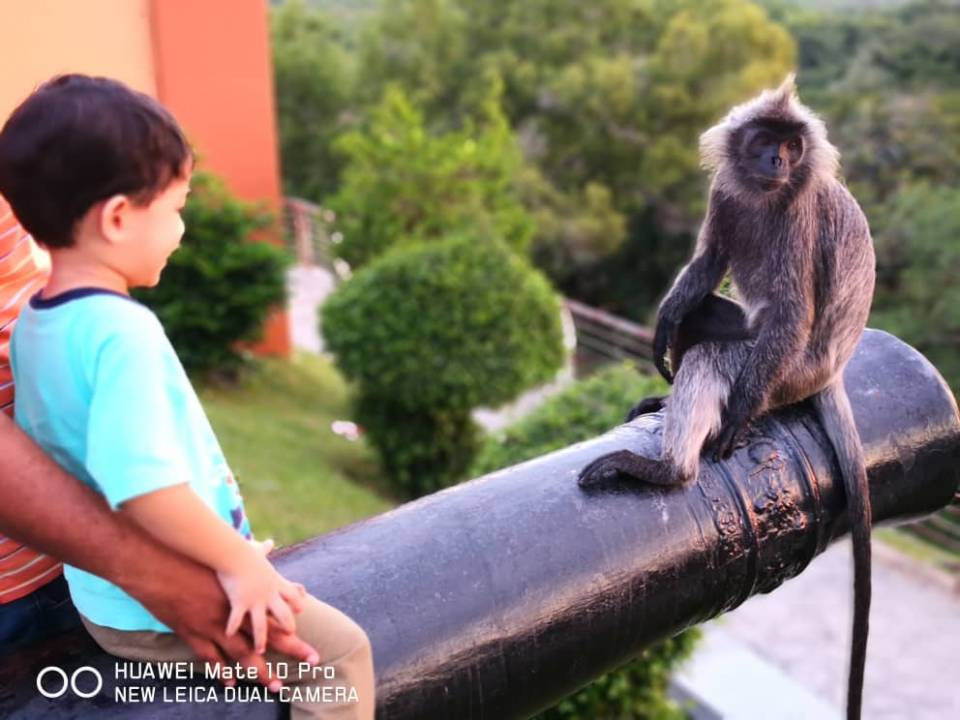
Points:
x=769, y=153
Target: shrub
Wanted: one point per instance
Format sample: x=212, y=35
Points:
x=580, y=412
x=452, y=325
x=421, y=450
x=584, y=410
x=402, y=184
x=430, y=332
x=219, y=286
x=635, y=691
x=918, y=251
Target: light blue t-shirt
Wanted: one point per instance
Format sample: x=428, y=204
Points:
x=101, y=390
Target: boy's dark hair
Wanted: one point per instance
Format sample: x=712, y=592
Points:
x=78, y=140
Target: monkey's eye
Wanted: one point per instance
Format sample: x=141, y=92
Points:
x=795, y=145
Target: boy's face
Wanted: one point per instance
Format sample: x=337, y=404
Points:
x=154, y=231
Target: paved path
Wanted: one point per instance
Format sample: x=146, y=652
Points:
x=913, y=660
x=307, y=287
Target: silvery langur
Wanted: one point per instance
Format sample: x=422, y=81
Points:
x=798, y=249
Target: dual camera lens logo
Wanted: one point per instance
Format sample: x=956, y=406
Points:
x=53, y=682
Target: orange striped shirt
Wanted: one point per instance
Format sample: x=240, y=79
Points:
x=23, y=271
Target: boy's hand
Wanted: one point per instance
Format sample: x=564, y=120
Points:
x=199, y=616
x=266, y=547
x=254, y=587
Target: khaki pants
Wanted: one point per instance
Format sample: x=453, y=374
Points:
x=340, y=642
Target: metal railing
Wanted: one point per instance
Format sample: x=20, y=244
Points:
x=307, y=227
x=942, y=529
x=609, y=337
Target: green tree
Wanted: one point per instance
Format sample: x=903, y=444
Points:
x=890, y=141
x=918, y=263
x=313, y=84
x=613, y=92
x=423, y=47
x=575, y=229
x=403, y=184
x=919, y=44
x=609, y=95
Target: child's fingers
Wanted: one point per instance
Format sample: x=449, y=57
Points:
x=293, y=593
x=281, y=611
x=235, y=619
x=258, y=623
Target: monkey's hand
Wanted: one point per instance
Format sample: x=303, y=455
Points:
x=664, y=335
x=646, y=406
x=733, y=430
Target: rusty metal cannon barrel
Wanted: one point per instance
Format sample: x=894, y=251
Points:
x=498, y=597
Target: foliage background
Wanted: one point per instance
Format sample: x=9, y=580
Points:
x=569, y=130
x=605, y=101
x=219, y=286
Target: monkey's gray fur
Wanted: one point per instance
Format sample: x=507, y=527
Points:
x=799, y=251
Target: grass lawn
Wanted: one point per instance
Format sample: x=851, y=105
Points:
x=298, y=479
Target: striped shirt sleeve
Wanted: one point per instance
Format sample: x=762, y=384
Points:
x=23, y=272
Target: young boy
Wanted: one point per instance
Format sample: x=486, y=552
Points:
x=98, y=174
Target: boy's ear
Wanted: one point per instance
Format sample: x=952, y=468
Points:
x=114, y=218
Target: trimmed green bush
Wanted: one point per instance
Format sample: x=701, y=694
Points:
x=432, y=331
x=451, y=325
x=639, y=688
x=219, y=286
x=421, y=450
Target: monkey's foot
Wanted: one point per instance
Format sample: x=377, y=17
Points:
x=625, y=464
x=646, y=406
x=731, y=437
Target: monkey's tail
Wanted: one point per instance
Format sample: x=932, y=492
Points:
x=837, y=418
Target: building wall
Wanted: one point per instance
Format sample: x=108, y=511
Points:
x=206, y=60
x=213, y=70
x=42, y=38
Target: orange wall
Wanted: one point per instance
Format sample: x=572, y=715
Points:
x=213, y=70
x=207, y=60
x=42, y=38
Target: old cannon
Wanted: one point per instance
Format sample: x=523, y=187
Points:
x=498, y=597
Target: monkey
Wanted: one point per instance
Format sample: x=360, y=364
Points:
x=799, y=252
